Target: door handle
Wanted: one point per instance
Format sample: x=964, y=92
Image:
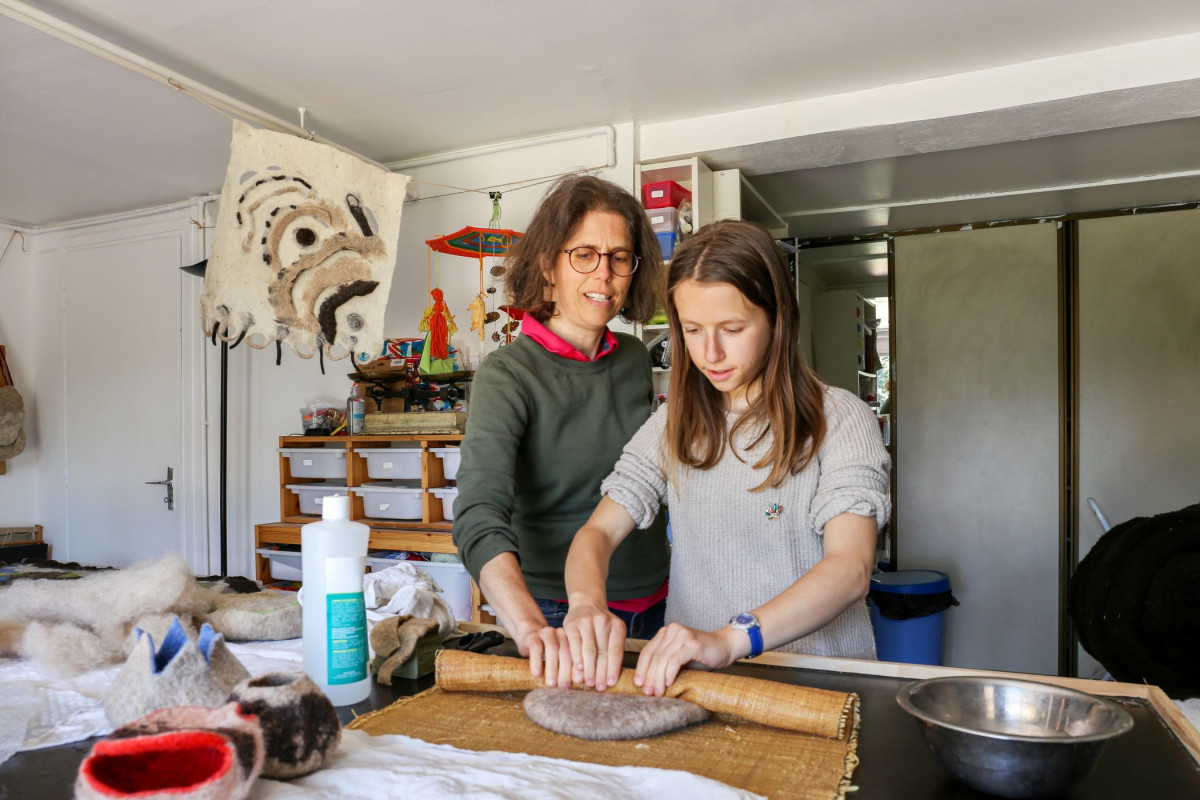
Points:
x=170, y=484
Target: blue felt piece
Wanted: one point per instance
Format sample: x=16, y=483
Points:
x=205, y=641
x=172, y=643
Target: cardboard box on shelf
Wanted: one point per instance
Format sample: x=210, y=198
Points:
x=423, y=422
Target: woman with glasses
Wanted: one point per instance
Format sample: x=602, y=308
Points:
x=550, y=414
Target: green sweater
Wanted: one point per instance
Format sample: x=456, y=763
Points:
x=543, y=432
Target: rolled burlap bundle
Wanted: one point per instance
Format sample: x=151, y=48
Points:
x=816, y=712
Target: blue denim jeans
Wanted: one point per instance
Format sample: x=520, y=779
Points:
x=638, y=624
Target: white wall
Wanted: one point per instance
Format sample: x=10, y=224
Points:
x=18, y=334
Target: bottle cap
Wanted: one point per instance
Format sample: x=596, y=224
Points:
x=335, y=507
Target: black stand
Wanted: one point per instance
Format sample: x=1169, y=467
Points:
x=224, y=457
x=199, y=269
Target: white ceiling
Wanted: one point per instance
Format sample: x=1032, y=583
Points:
x=82, y=137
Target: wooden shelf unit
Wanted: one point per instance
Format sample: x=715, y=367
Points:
x=430, y=534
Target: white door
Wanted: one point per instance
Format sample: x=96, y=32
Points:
x=124, y=404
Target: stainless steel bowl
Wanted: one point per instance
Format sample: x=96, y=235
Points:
x=1013, y=738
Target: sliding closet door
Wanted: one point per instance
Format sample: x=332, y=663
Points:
x=976, y=422
x=1139, y=369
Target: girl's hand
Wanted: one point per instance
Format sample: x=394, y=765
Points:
x=677, y=646
x=597, y=640
x=548, y=652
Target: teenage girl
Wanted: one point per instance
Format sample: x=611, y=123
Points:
x=776, y=484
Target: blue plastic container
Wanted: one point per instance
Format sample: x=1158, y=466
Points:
x=666, y=241
x=918, y=640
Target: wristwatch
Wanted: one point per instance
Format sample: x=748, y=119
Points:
x=749, y=624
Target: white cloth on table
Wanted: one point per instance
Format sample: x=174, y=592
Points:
x=396, y=766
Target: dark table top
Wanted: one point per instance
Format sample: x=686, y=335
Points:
x=1149, y=762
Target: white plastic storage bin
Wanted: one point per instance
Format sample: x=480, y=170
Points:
x=455, y=583
x=285, y=564
x=316, y=462
x=378, y=563
x=663, y=220
x=312, y=495
x=451, y=457
x=390, y=500
x=393, y=463
x=447, y=494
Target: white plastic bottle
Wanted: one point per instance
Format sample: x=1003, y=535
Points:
x=334, y=558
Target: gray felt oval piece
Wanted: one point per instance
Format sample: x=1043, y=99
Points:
x=589, y=714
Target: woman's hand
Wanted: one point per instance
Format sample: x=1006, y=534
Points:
x=546, y=648
x=677, y=646
x=597, y=641
x=548, y=653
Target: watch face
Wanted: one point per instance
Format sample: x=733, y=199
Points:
x=744, y=619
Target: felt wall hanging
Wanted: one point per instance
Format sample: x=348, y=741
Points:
x=304, y=247
x=12, y=416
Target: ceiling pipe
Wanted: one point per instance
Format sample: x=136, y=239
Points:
x=960, y=198
x=90, y=43
x=120, y=216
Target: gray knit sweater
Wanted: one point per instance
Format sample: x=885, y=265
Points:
x=727, y=556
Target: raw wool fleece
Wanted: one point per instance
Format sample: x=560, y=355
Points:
x=304, y=246
x=587, y=714
x=85, y=624
x=256, y=617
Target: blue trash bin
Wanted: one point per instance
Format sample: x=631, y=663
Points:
x=908, y=612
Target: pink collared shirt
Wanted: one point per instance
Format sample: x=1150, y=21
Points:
x=560, y=347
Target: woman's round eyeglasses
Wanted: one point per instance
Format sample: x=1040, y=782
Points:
x=585, y=259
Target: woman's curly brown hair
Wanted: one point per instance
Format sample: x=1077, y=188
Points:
x=530, y=261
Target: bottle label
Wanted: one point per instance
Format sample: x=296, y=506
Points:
x=347, y=642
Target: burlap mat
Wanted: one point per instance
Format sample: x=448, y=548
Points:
x=767, y=760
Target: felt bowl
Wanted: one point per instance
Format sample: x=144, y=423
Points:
x=1012, y=738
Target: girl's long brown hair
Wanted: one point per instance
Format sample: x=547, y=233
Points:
x=790, y=404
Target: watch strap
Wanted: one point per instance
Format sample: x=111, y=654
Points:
x=749, y=624
x=756, y=643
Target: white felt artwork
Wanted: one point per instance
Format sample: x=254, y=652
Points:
x=304, y=247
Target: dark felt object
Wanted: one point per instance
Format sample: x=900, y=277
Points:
x=1135, y=601
x=588, y=714
x=300, y=725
